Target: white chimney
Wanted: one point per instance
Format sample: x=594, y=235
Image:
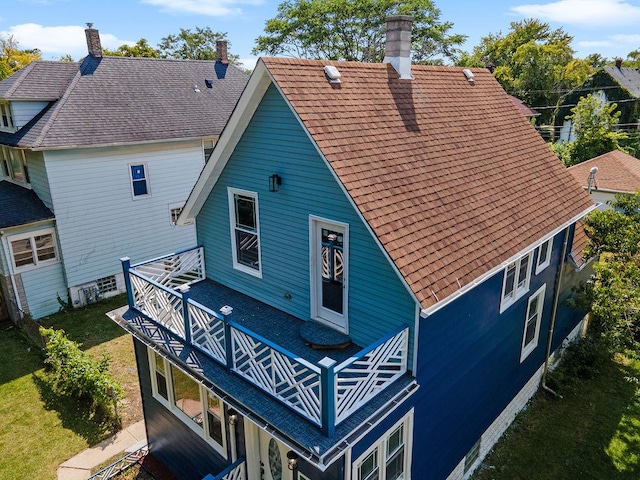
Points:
x=397, y=50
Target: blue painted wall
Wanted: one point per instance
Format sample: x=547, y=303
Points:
x=469, y=367
x=182, y=450
x=274, y=142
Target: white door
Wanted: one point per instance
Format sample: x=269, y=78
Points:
x=273, y=459
x=329, y=272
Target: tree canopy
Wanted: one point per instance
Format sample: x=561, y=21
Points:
x=140, y=49
x=12, y=58
x=195, y=45
x=613, y=293
x=355, y=30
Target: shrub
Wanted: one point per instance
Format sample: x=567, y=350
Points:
x=581, y=360
x=72, y=372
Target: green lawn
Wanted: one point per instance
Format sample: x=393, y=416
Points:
x=591, y=433
x=38, y=431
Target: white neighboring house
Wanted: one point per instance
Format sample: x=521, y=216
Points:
x=608, y=174
x=97, y=159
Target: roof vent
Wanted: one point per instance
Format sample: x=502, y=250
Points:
x=332, y=73
x=196, y=89
x=469, y=75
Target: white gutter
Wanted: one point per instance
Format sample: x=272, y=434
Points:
x=481, y=279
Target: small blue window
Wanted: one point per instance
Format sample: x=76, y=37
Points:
x=139, y=180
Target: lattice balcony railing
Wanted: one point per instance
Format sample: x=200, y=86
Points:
x=175, y=270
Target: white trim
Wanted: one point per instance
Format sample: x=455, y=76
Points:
x=36, y=263
x=540, y=266
x=526, y=349
x=170, y=402
x=318, y=312
x=380, y=446
x=483, y=278
x=146, y=180
x=519, y=288
x=231, y=193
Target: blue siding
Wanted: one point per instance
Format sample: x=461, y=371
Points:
x=182, y=450
x=469, y=367
x=42, y=286
x=274, y=142
x=38, y=177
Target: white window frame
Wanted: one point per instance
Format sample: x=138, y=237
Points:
x=520, y=285
x=232, y=192
x=543, y=262
x=9, y=172
x=526, y=349
x=5, y=111
x=31, y=236
x=170, y=403
x=380, y=448
x=208, y=144
x=146, y=180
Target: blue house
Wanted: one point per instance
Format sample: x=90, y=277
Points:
x=378, y=282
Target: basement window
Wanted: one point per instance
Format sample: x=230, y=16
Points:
x=472, y=457
x=107, y=284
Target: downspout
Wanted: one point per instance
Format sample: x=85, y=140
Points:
x=7, y=256
x=554, y=311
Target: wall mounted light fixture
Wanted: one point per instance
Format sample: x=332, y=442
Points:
x=292, y=460
x=275, y=181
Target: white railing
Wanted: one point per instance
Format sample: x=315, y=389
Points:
x=207, y=331
x=290, y=379
x=361, y=378
x=175, y=270
x=158, y=303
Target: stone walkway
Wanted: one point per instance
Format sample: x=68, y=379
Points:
x=128, y=440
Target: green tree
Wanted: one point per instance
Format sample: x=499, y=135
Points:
x=196, y=45
x=594, y=124
x=355, y=30
x=532, y=62
x=613, y=293
x=140, y=49
x=12, y=58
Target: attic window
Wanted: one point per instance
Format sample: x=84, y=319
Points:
x=6, y=120
x=332, y=73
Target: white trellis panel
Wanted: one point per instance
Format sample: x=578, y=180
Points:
x=359, y=380
x=207, y=332
x=292, y=380
x=176, y=270
x=157, y=303
x=237, y=473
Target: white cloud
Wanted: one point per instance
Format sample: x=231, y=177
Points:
x=249, y=63
x=212, y=8
x=58, y=41
x=594, y=43
x=633, y=39
x=583, y=12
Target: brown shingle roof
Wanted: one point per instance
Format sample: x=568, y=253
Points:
x=617, y=171
x=450, y=176
x=580, y=241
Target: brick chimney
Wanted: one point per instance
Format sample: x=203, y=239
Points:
x=221, y=52
x=397, y=49
x=618, y=63
x=93, y=41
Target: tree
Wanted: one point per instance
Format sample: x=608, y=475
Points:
x=355, y=30
x=532, y=62
x=198, y=45
x=140, y=49
x=594, y=123
x=12, y=58
x=613, y=293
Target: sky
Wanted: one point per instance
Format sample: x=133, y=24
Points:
x=56, y=27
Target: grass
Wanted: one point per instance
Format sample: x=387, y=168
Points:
x=591, y=433
x=39, y=430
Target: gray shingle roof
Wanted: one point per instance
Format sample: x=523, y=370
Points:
x=20, y=206
x=120, y=100
x=628, y=78
x=39, y=81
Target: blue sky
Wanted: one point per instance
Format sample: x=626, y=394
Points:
x=56, y=26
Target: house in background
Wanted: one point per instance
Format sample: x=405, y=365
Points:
x=379, y=281
x=530, y=113
x=111, y=146
x=614, y=84
x=605, y=176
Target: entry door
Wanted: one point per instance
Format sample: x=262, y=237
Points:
x=329, y=272
x=273, y=459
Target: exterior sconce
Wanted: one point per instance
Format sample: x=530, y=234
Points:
x=275, y=181
x=292, y=460
x=232, y=416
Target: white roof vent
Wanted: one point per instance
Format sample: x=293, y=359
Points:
x=469, y=75
x=333, y=74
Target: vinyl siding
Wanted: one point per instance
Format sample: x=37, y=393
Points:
x=38, y=176
x=98, y=219
x=274, y=142
x=23, y=112
x=42, y=286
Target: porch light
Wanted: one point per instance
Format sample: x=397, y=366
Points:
x=292, y=460
x=232, y=416
x=275, y=181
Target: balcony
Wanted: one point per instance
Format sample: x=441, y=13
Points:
x=261, y=344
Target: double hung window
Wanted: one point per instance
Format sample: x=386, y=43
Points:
x=245, y=231
x=139, y=180
x=532, y=323
x=544, y=255
x=516, y=281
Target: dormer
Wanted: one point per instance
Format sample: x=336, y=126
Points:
x=6, y=118
x=13, y=166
